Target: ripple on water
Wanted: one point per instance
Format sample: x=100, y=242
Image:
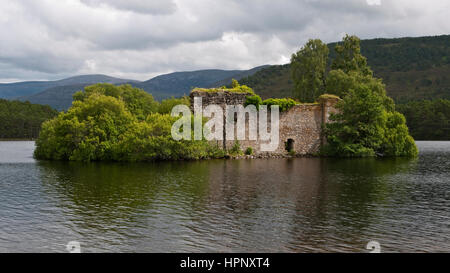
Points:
x=273, y=205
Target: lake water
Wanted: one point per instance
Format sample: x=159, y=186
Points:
x=262, y=205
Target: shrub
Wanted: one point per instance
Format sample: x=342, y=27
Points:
x=235, y=87
x=236, y=148
x=249, y=151
x=253, y=100
x=284, y=104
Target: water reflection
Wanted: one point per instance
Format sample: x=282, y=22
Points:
x=242, y=205
x=274, y=205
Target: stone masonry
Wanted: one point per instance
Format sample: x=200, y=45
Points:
x=300, y=127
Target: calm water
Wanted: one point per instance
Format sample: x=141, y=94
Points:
x=264, y=205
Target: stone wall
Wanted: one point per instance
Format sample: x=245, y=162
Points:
x=221, y=98
x=301, y=125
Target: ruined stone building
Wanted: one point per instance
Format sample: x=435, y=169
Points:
x=300, y=127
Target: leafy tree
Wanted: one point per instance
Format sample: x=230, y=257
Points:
x=165, y=107
x=138, y=102
x=308, y=70
x=108, y=123
x=234, y=83
x=366, y=123
x=86, y=132
x=349, y=57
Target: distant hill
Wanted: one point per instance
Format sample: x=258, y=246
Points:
x=181, y=83
x=412, y=69
x=58, y=97
x=19, y=89
x=59, y=94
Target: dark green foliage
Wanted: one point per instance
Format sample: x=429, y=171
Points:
x=427, y=120
x=364, y=127
x=23, y=119
x=366, y=123
x=272, y=82
x=348, y=57
x=285, y=104
x=249, y=151
x=308, y=68
x=412, y=69
x=109, y=123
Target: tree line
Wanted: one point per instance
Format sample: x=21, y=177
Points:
x=22, y=120
x=428, y=119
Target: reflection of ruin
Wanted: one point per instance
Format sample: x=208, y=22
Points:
x=300, y=128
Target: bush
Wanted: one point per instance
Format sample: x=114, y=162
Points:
x=235, y=87
x=236, y=148
x=284, y=104
x=249, y=151
x=253, y=100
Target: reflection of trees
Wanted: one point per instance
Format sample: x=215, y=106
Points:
x=110, y=197
x=350, y=191
x=227, y=205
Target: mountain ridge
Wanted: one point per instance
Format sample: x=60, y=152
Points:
x=19, y=89
x=163, y=86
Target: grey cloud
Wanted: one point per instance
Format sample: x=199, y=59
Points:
x=139, y=39
x=139, y=6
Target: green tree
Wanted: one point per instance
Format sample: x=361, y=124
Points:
x=165, y=107
x=366, y=123
x=308, y=68
x=138, y=102
x=109, y=123
x=349, y=57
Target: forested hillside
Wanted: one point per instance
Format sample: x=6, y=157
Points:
x=416, y=72
x=412, y=69
x=22, y=119
x=427, y=120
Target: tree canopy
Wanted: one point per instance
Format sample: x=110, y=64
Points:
x=366, y=123
x=116, y=123
x=308, y=67
x=22, y=119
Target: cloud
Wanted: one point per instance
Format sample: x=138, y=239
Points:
x=139, y=6
x=48, y=39
x=373, y=2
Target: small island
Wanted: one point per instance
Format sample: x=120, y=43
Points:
x=340, y=112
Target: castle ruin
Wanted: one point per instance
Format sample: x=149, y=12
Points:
x=300, y=127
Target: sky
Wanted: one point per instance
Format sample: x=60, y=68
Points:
x=139, y=39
